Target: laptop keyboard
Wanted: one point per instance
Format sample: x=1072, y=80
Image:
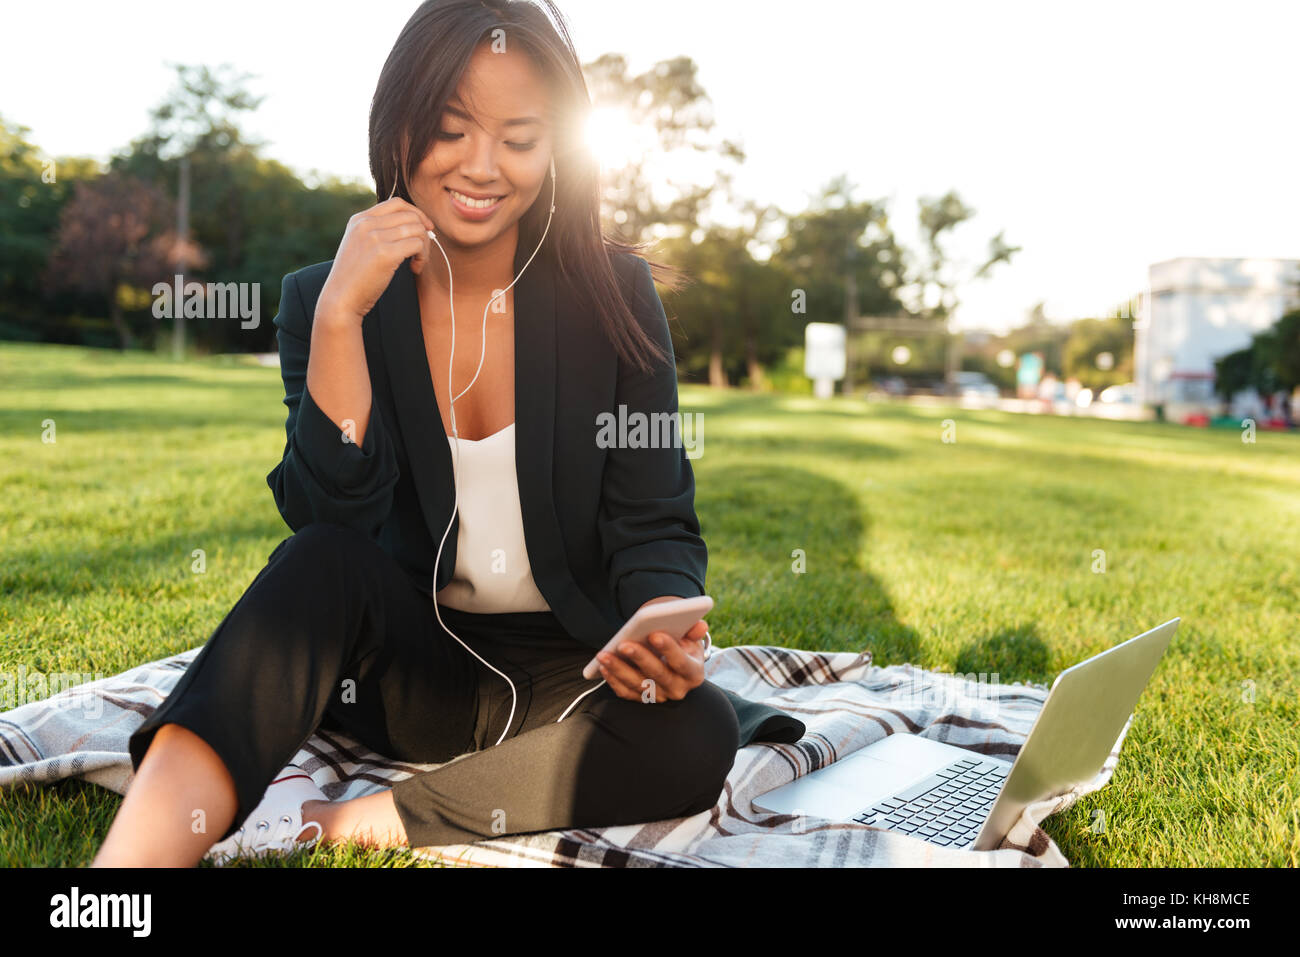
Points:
x=947, y=808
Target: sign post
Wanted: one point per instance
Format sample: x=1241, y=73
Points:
x=824, y=356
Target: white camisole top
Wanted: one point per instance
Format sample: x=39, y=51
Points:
x=492, y=571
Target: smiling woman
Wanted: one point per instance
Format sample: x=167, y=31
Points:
x=487, y=161
x=443, y=124
x=561, y=538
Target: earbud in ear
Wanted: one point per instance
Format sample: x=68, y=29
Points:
x=552, y=169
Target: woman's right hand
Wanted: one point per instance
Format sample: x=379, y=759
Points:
x=375, y=243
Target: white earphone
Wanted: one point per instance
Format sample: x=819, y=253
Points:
x=456, y=436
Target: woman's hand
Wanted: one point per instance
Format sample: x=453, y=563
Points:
x=666, y=673
x=375, y=243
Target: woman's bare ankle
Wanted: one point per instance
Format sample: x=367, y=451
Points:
x=370, y=820
x=323, y=813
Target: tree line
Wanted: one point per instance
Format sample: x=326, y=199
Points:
x=82, y=246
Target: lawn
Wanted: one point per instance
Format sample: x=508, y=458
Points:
x=981, y=554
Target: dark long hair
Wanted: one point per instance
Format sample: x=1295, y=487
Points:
x=419, y=77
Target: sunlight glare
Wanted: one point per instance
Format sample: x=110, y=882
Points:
x=614, y=140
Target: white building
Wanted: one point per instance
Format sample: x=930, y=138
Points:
x=1199, y=310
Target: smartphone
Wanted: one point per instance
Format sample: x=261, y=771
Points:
x=674, y=617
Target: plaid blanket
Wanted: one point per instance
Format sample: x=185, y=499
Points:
x=844, y=700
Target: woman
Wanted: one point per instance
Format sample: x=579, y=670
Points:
x=359, y=622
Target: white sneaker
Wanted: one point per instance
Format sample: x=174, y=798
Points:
x=276, y=823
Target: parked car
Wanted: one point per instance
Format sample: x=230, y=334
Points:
x=892, y=385
x=1126, y=393
x=975, y=385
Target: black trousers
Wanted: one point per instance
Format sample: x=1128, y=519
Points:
x=333, y=633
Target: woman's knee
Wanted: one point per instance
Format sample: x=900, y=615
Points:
x=707, y=707
x=320, y=542
x=312, y=583
x=717, y=731
x=696, y=739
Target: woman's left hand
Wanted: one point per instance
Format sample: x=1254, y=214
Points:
x=664, y=671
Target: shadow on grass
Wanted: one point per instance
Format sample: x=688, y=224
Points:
x=163, y=558
x=807, y=446
x=787, y=565
x=1011, y=654
x=184, y=379
x=172, y=418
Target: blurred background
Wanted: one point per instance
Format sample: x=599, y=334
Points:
x=1054, y=208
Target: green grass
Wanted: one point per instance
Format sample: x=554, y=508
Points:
x=975, y=555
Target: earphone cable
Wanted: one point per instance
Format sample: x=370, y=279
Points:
x=514, y=697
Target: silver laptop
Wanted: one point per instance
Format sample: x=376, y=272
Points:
x=957, y=798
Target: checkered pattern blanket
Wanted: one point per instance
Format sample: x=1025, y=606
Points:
x=845, y=701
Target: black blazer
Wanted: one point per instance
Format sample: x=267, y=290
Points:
x=605, y=529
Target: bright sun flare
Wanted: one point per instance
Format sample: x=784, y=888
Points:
x=614, y=140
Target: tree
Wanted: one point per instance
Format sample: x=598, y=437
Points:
x=843, y=255
x=1088, y=339
x=670, y=111
x=664, y=119
x=1237, y=372
x=114, y=230
x=193, y=137
x=255, y=218
x=1279, y=351
x=838, y=236
x=200, y=114
x=735, y=310
x=33, y=188
x=1271, y=361
x=1039, y=334
x=936, y=279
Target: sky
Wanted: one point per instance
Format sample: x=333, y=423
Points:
x=1101, y=137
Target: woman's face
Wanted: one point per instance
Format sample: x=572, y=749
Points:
x=492, y=151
